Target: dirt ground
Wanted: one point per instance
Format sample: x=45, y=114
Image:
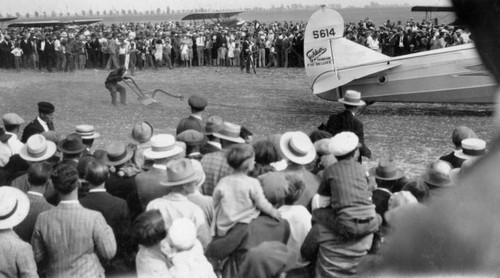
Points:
x=272, y=101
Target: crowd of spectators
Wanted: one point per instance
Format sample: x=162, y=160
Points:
x=207, y=201
x=167, y=44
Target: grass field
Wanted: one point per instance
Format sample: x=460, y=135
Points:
x=273, y=101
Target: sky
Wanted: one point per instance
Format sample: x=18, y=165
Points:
x=72, y=6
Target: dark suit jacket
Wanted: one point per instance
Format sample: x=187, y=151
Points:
x=115, y=212
x=32, y=128
x=125, y=188
x=38, y=204
x=453, y=160
x=190, y=122
x=148, y=185
x=345, y=121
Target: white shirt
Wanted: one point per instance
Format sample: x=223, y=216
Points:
x=300, y=224
x=14, y=143
x=43, y=123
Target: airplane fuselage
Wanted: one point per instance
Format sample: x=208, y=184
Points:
x=452, y=75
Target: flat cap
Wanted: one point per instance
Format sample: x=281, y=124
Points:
x=45, y=107
x=12, y=119
x=197, y=102
x=191, y=137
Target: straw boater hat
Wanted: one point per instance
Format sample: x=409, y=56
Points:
x=37, y=148
x=343, y=143
x=14, y=207
x=162, y=146
x=180, y=172
x=117, y=154
x=87, y=132
x=352, y=98
x=230, y=132
x=471, y=148
x=297, y=147
x=142, y=132
x=386, y=170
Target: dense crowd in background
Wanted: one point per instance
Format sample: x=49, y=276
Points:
x=167, y=44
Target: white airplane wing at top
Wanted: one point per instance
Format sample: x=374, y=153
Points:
x=331, y=60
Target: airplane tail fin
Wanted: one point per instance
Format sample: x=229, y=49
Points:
x=332, y=60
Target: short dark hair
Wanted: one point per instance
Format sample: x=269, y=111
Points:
x=418, y=189
x=10, y=127
x=65, y=178
x=238, y=154
x=149, y=228
x=39, y=173
x=97, y=173
x=296, y=187
x=83, y=164
x=266, y=152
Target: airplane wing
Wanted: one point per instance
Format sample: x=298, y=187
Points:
x=332, y=60
x=49, y=23
x=432, y=9
x=3, y=19
x=202, y=16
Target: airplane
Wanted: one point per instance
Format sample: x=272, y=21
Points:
x=335, y=64
x=54, y=23
x=225, y=19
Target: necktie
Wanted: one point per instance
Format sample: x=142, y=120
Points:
x=50, y=125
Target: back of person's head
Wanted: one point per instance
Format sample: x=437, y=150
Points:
x=238, y=156
x=97, y=173
x=65, y=178
x=296, y=187
x=148, y=228
x=418, y=189
x=460, y=133
x=319, y=134
x=83, y=164
x=246, y=134
x=39, y=173
x=266, y=152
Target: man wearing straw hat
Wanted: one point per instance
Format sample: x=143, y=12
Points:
x=88, y=136
x=163, y=149
x=346, y=121
x=181, y=180
x=16, y=257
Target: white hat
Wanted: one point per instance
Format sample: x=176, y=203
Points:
x=343, y=143
x=162, y=146
x=471, y=148
x=352, y=97
x=14, y=207
x=230, y=132
x=297, y=147
x=37, y=148
x=398, y=201
x=199, y=168
x=87, y=132
x=182, y=234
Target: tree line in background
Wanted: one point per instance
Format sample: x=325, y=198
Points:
x=168, y=10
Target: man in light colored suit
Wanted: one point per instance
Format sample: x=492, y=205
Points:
x=69, y=239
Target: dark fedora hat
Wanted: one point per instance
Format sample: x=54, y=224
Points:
x=45, y=107
x=117, y=154
x=72, y=144
x=386, y=170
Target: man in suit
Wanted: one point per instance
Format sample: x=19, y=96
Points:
x=50, y=53
x=214, y=124
x=346, y=121
x=195, y=120
x=38, y=178
x=72, y=148
x=163, y=149
x=42, y=123
x=69, y=239
x=114, y=210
